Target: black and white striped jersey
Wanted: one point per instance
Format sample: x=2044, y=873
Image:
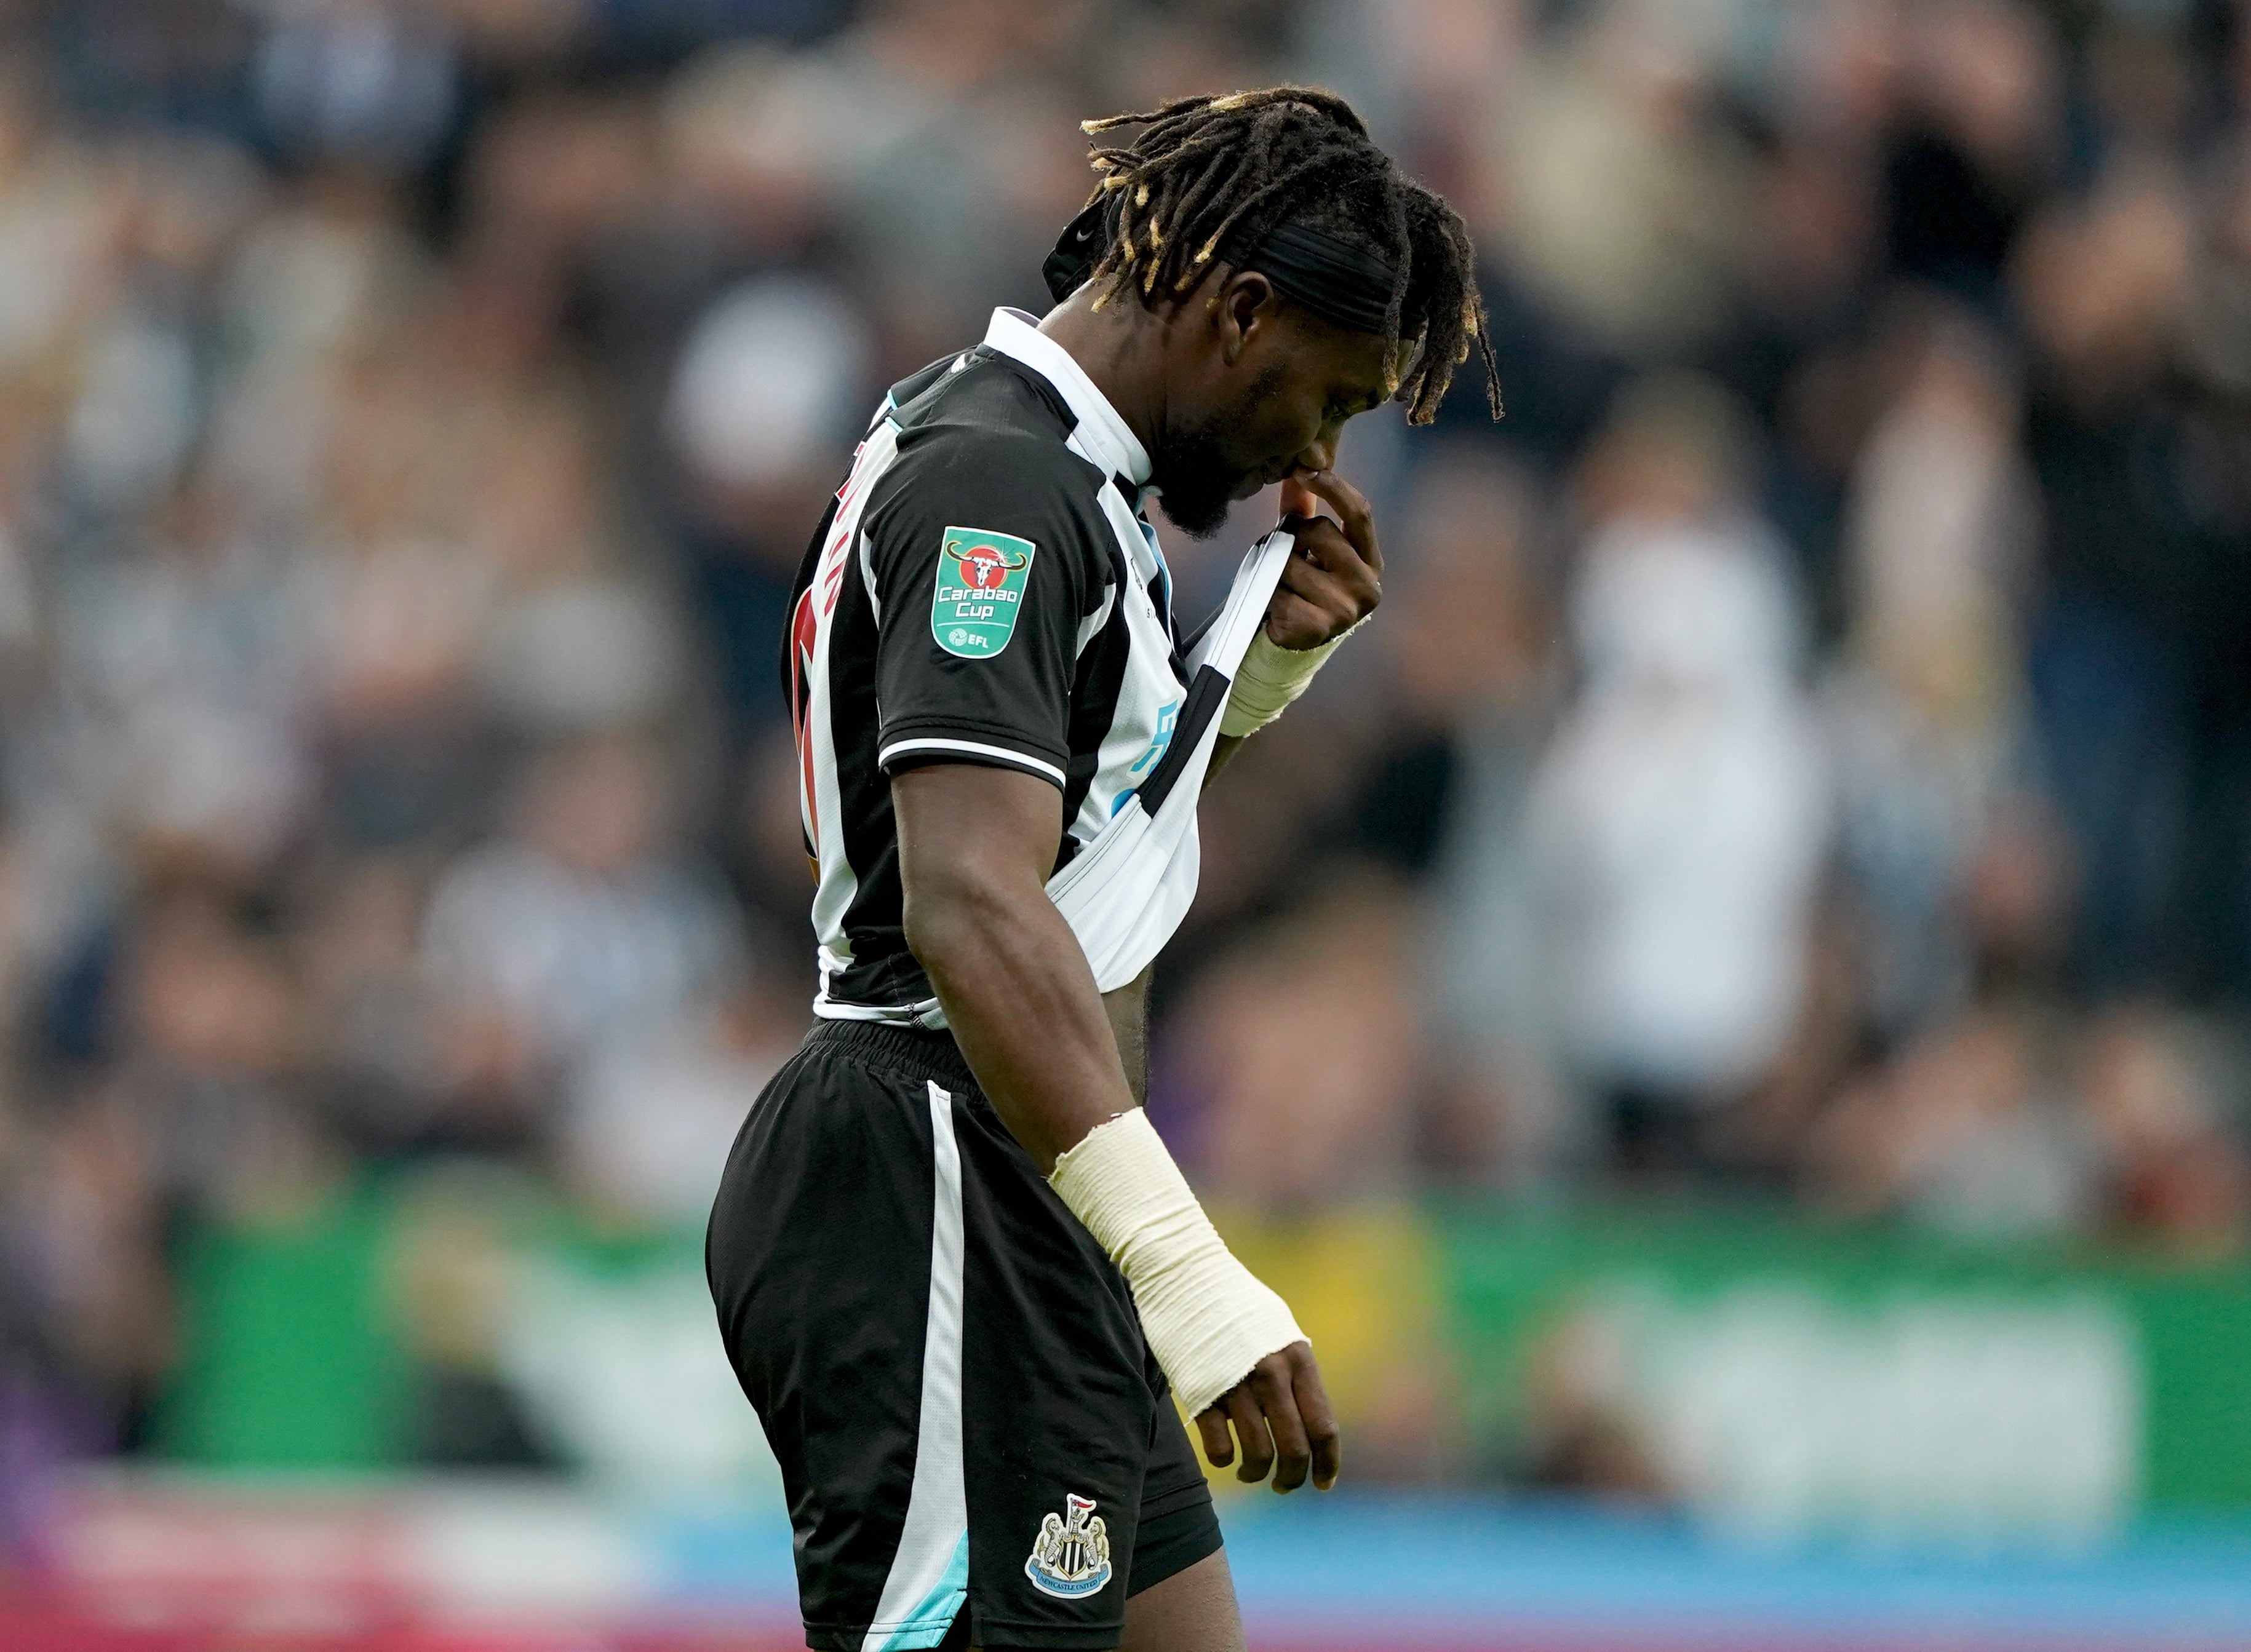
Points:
x=984, y=589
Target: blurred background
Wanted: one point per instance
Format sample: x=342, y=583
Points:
x=1726, y=1012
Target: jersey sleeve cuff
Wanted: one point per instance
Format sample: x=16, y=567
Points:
x=913, y=750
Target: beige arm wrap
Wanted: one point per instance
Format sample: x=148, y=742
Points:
x=1269, y=677
x=1208, y=1318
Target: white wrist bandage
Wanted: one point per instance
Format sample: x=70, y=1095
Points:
x=1207, y=1317
x=1269, y=677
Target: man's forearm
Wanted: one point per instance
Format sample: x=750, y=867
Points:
x=1023, y=1006
x=974, y=847
x=1127, y=1006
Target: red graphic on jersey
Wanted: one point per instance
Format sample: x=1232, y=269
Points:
x=803, y=641
x=804, y=633
x=983, y=567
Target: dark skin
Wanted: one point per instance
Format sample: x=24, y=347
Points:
x=1258, y=392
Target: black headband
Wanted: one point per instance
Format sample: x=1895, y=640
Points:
x=1337, y=281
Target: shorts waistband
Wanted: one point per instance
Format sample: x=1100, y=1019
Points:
x=909, y=1050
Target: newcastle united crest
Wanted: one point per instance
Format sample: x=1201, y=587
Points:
x=1071, y=1559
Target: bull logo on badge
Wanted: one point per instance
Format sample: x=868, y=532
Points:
x=979, y=591
x=984, y=566
x=1071, y=1559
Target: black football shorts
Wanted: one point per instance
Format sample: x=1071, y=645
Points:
x=949, y=1369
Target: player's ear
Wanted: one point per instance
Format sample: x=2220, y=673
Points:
x=1244, y=304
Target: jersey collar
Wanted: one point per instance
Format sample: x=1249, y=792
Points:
x=1109, y=439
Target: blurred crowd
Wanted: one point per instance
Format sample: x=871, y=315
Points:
x=1804, y=756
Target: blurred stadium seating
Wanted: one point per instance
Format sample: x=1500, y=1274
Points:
x=1726, y=1010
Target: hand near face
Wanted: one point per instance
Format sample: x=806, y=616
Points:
x=1334, y=578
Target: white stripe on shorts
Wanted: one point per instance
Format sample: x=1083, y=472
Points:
x=929, y=1579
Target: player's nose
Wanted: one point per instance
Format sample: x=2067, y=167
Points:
x=1318, y=454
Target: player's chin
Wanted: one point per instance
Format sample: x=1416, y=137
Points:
x=1198, y=515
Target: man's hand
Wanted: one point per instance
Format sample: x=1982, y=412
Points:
x=1335, y=576
x=1282, y=1418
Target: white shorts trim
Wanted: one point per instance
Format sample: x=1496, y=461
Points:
x=929, y=1579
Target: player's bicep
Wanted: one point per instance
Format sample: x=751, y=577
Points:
x=973, y=831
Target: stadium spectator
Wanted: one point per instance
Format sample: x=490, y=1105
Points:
x=573, y=933
x=1678, y=822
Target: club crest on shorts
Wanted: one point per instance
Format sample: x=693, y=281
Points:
x=1071, y=1557
x=982, y=577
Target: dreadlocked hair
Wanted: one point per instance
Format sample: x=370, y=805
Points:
x=1205, y=168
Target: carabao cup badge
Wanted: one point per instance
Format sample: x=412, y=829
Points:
x=982, y=577
x=1071, y=1558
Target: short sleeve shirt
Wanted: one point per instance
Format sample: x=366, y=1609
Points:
x=984, y=590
